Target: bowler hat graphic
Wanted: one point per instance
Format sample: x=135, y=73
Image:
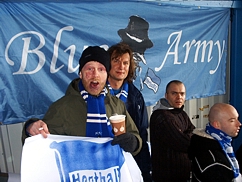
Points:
x=136, y=33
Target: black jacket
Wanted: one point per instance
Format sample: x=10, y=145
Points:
x=209, y=162
x=170, y=132
x=137, y=109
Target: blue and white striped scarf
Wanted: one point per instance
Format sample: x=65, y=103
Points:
x=97, y=124
x=225, y=142
x=123, y=94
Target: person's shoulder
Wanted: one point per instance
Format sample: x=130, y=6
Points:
x=68, y=100
x=200, y=132
x=162, y=111
x=158, y=113
x=133, y=88
x=134, y=91
x=209, y=146
x=183, y=111
x=71, y=96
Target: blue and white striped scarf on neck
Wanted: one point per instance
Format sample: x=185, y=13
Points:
x=123, y=94
x=225, y=142
x=97, y=124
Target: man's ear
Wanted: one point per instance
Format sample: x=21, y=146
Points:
x=216, y=124
x=80, y=75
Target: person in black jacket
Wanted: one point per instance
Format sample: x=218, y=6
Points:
x=239, y=155
x=170, y=133
x=120, y=82
x=213, y=159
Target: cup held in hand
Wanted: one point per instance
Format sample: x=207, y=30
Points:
x=118, y=124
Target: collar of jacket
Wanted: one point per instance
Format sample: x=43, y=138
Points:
x=201, y=132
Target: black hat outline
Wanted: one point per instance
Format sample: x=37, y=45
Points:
x=136, y=32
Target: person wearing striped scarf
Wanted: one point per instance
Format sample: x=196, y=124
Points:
x=212, y=155
x=120, y=83
x=86, y=107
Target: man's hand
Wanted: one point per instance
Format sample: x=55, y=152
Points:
x=127, y=141
x=38, y=127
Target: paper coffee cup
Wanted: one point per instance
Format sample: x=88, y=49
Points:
x=118, y=124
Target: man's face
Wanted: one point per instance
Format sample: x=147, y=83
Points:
x=119, y=67
x=176, y=94
x=229, y=122
x=94, y=76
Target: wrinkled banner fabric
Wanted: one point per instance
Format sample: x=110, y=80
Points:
x=74, y=159
x=41, y=43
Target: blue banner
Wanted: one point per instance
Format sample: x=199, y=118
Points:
x=42, y=41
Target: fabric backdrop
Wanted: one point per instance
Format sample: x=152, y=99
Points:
x=41, y=43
